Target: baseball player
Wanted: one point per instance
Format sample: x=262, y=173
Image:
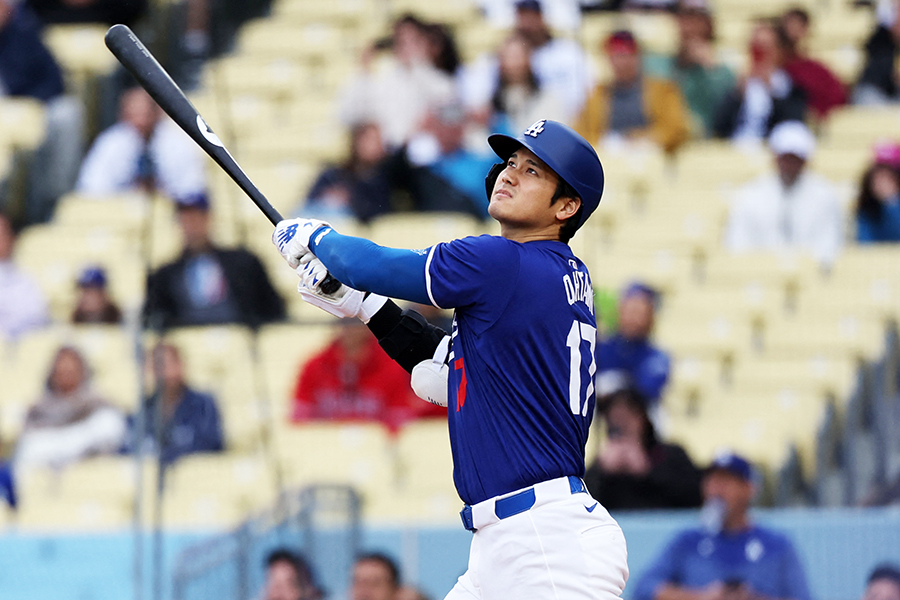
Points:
x=519, y=363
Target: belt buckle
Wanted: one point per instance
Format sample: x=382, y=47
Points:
x=466, y=515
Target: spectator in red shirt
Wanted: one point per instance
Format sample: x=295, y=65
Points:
x=353, y=379
x=824, y=91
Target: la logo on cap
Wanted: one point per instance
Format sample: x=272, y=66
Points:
x=535, y=129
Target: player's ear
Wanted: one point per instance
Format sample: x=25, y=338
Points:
x=567, y=208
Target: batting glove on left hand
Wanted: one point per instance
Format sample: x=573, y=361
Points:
x=291, y=237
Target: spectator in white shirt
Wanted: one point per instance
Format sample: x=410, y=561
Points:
x=22, y=304
x=560, y=64
x=144, y=150
x=790, y=208
x=399, y=95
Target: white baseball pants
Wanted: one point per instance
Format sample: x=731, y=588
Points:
x=566, y=547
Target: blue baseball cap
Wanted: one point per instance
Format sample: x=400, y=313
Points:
x=196, y=200
x=732, y=463
x=92, y=276
x=640, y=288
x=562, y=149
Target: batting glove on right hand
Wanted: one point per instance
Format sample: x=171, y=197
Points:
x=346, y=302
x=291, y=237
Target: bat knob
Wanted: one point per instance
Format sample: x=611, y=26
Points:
x=329, y=285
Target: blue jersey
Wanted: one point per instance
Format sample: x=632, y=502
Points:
x=761, y=559
x=522, y=363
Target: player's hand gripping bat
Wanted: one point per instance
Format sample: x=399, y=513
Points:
x=149, y=73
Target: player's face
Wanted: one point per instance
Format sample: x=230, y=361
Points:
x=522, y=194
x=372, y=581
x=882, y=589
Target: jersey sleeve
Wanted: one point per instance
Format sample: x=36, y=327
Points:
x=471, y=271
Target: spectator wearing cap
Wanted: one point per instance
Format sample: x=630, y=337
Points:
x=23, y=306
x=883, y=583
x=559, y=64
x=289, y=577
x=878, y=202
x=702, y=79
x=209, y=285
x=628, y=359
x=824, y=91
x=633, y=468
x=144, y=150
x=790, y=208
x=94, y=304
x=765, y=96
x=729, y=556
x=633, y=106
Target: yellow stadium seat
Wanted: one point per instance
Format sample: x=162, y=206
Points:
x=81, y=50
x=351, y=12
x=825, y=376
x=283, y=350
x=717, y=334
x=22, y=125
x=424, y=463
x=125, y=213
x=860, y=126
x=825, y=334
x=422, y=230
x=312, y=41
x=246, y=481
x=791, y=271
x=719, y=165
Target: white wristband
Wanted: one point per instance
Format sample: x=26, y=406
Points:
x=371, y=305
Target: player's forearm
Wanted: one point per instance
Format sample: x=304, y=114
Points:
x=364, y=265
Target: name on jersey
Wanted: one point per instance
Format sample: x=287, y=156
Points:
x=579, y=289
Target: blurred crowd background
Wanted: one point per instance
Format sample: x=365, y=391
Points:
x=159, y=371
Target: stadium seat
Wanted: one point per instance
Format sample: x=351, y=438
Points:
x=860, y=126
x=423, y=456
x=825, y=334
x=421, y=230
x=22, y=124
x=282, y=350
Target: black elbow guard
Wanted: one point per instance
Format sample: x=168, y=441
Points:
x=411, y=340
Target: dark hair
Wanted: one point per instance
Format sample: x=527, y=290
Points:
x=498, y=102
x=386, y=561
x=799, y=12
x=297, y=562
x=447, y=57
x=636, y=402
x=885, y=571
x=568, y=229
x=867, y=204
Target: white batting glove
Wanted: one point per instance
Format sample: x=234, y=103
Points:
x=429, y=377
x=291, y=237
x=346, y=302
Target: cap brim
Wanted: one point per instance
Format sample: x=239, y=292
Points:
x=503, y=145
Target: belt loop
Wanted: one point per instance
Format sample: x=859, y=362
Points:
x=466, y=515
x=576, y=484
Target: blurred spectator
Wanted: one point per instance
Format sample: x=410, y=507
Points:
x=560, y=64
x=439, y=171
x=878, y=81
x=408, y=592
x=518, y=99
x=765, y=96
x=70, y=421
x=144, y=150
x=109, y=12
x=28, y=70
x=633, y=468
x=729, y=557
x=790, y=208
x=375, y=577
x=207, y=284
x=703, y=81
x=289, y=577
x=633, y=106
x=188, y=420
x=442, y=49
x=878, y=204
x=628, y=359
x=8, y=485
x=359, y=188
x=561, y=15
x=883, y=583
x=399, y=96
x=353, y=379
x=94, y=304
x=23, y=306
x=824, y=91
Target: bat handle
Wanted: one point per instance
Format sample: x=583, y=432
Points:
x=329, y=285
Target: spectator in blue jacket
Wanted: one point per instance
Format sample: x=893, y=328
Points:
x=26, y=66
x=729, y=557
x=627, y=359
x=190, y=419
x=878, y=204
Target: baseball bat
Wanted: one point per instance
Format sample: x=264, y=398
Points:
x=129, y=50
